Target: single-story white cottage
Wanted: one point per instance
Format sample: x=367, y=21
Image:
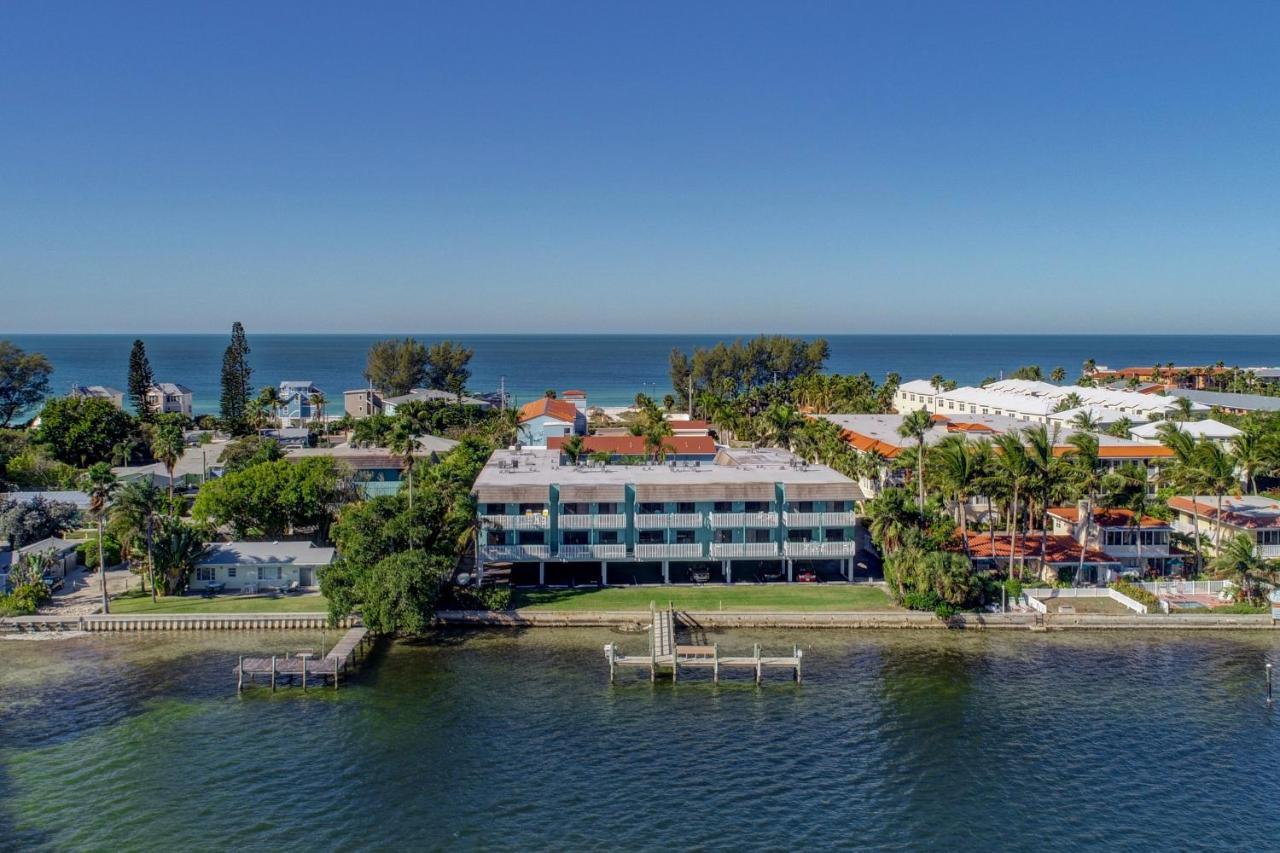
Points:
x=259, y=566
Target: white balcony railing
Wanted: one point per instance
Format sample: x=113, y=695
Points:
x=592, y=552
x=665, y=520
x=819, y=519
x=1269, y=551
x=529, y=521
x=819, y=549
x=667, y=552
x=516, y=552
x=744, y=519
x=744, y=549
x=592, y=522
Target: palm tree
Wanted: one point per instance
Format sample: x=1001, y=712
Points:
x=1070, y=401
x=1220, y=478
x=167, y=447
x=1048, y=476
x=178, y=549
x=780, y=424
x=318, y=402
x=1013, y=464
x=1121, y=428
x=268, y=404
x=1251, y=452
x=573, y=447
x=137, y=506
x=890, y=517
x=656, y=433
x=1126, y=488
x=1086, y=468
x=100, y=484
x=916, y=425
x=1186, y=474
x=1182, y=409
x=1241, y=562
x=954, y=465
x=403, y=442
x=1058, y=374
x=1085, y=422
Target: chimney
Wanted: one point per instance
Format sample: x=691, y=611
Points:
x=1083, y=508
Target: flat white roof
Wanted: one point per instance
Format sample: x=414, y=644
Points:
x=539, y=466
x=240, y=553
x=1195, y=429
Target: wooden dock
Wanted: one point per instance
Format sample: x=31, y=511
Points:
x=666, y=653
x=298, y=669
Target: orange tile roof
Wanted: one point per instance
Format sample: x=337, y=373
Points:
x=558, y=409
x=1259, y=519
x=866, y=444
x=961, y=426
x=1122, y=451
x=1105, y=517
x=633, y=445
x=1058, y=548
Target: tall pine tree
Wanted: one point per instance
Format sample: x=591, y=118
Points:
x=140, y=379
x=236, y=375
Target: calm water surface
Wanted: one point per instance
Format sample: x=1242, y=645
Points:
x=896, y=740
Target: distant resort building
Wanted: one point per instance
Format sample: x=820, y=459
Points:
x=1030, y=400
x=878, y=434
x=169, y=398
x=685, y=448
x=1231, y=404
x=99, y=392
x=1215, y=431
x=744, y=515
x=1256, y=516
x=363, y=402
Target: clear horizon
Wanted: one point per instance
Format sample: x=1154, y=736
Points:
x=666, y=169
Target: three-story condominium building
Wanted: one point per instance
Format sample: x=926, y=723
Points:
x=1256, y=516
x=744, y=515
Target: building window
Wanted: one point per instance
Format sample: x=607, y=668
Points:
x=532, y=509
x=650, y=508
x=532, y=537
x=205, y=573
x=802, y=535
x=756, y=506
x=834, y=534
x=609, y=509
x=231, y=572
x=575, y=509
x=802, y=506
x=722, y=506
x=268, y=573
x=1269, y=537
x=651, y=537
x=721, y=536
x=686, y=507
x=758, y=534
x=685, y=537
x=495, y=509
x=575, y=537
x=608, y=537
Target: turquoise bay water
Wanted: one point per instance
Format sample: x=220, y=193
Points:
x=613, y=368
x=896, y=740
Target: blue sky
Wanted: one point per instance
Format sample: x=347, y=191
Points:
x=545, y=167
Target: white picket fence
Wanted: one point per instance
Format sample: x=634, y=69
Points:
x=1186, y=587
x=1031, y=597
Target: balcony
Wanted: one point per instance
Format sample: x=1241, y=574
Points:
x=592, y=522
x=819, y=519
x=744, y=519
x=516, y=552
x=529, y=521
x=819, y=549
x=1269, y=552
x=592, y=552
x=666, y=520
x=691, y=550
x=744, y=549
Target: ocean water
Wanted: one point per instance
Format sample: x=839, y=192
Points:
x=613, y=368
x=516, y=741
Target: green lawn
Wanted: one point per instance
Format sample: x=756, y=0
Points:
x=819, y=597
x=313, y=603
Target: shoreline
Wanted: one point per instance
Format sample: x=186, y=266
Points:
x=635, y=620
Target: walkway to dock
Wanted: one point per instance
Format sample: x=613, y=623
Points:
x=666, y=653
x=299, y=668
